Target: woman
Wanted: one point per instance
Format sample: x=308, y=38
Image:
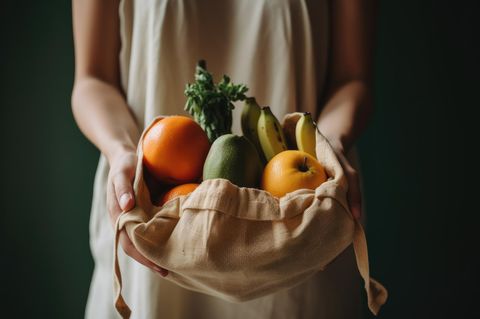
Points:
x=133, y=59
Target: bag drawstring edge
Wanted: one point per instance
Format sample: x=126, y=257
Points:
x=119, y=301
x=376, y=293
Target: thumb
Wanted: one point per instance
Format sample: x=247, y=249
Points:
x=124, y=192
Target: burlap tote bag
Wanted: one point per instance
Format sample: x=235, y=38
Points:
x=241, y=243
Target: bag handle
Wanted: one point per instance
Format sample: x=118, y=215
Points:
x=120, y=303
x=376, y=293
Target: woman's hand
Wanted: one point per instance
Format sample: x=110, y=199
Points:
x=354, y=194
x=120, y=198
x=100, y=108
x=347, y=104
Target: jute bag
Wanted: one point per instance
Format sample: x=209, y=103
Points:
x=241, y=243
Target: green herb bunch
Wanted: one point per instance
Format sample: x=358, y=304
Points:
x=211, y=105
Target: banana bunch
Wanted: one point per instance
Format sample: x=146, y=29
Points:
x=249, y=120
x=262, y=128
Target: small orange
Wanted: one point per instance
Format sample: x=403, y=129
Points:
x=179, y=190
x=291, y=170
x=174, y=150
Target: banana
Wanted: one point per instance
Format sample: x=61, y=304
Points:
x=249, y=120
x=270, y=134
x=305, y=134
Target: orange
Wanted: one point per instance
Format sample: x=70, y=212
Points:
x=179, y=190
x=291, y=170
x=174, y=150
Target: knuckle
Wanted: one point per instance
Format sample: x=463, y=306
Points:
x=121, y=183
x=118, y=176
x=122, y=172
x=125, y=169
x=127, y=164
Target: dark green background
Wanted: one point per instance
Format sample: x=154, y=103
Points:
x=417, y=157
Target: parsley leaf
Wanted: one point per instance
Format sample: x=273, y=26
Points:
x=211, y=104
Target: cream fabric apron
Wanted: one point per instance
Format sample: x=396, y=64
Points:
x=278, y=48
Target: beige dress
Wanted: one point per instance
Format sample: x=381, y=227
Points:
x=278, y=48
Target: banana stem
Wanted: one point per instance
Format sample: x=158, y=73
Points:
x=250, y=100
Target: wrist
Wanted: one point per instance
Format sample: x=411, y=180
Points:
x=119, y=150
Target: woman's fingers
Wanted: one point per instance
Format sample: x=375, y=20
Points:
x=122, y=179
x=114, y=209
x=122, y=185
x=131, y=251
x=120, y=198
x=123, y=191
x=354, y=194
x=120, y=195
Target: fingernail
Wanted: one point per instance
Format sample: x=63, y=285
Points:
x=124, y=199
x=161, y=271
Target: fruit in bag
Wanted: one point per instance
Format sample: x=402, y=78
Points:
x=234, y=158
x=174, y=150
x=305, y=134
x=270, y=134
x=177, y=191
x=292, y=170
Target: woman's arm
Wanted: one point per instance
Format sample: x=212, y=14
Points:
x=348, y=105
x=97, y=102
x=99, y=107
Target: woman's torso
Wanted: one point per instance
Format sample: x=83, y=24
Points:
x=278, y=48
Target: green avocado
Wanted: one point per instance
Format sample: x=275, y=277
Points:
x=234, y=158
